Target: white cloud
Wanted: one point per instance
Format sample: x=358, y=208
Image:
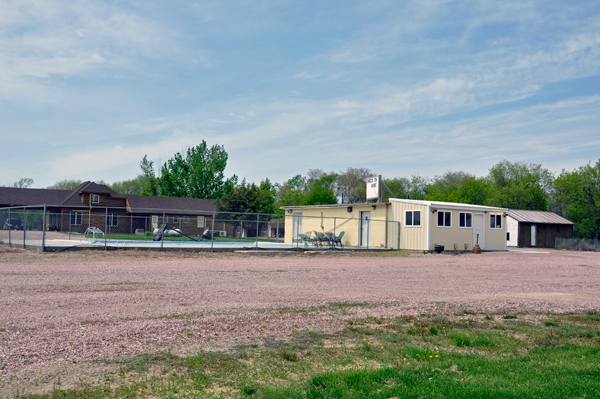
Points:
x=306, y=75
x=44, y=39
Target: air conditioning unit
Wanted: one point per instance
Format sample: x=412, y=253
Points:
x=222, y=233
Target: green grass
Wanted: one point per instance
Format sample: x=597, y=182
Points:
x=149, y=236
x=463, y=356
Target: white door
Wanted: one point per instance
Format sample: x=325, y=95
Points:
x=478, y=231
x=297, y=226
x=365, y=228
x=533, y=235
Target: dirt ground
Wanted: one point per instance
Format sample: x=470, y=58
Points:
x=75, y=315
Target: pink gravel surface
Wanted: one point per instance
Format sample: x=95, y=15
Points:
x=86, y=310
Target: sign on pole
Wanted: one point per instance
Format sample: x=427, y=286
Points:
x=374, y=188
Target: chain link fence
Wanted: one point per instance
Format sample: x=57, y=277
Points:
x=50, y=228
x=578, y=244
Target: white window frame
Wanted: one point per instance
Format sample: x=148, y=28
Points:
x=175, y=219
x=112, y=220
x=95, y=199
x=200, y=222
x=186, y=219
x=78, y=216
x=155, y=219
x=465, y=226
x=412, y=218
x=444, y=219
x=497, y=221
x=165, y=219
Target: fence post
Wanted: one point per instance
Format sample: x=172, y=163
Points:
x=70, y=224
x=257, y=228
x=212, y=232
x=44, y=230
x=368, y=232
x=105, y=225
x=334, y=222
x=163, y=234
x=242, y=231
x=24, y=227
x=277, y=233
x=9, y=226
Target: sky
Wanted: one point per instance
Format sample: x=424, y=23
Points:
x=87, y=88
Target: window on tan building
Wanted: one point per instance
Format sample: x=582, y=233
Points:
x=412, y=218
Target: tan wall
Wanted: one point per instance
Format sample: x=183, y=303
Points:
x=411, y=237
x=448, y=236
x=495, y=239
x=425, y=237
x=342, y=220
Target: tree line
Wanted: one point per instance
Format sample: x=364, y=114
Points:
x=198, y=172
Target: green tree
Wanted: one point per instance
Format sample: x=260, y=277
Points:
x=149, y=180
x=267, y=192
x=321, y=188
x=520, y=186
x=399, y=186
x=197, y=174
x=316, y=189
x=292, y=192
x=459, y=187
x=67, y=184
x=23, y=182
x=243, y=202
x=134, y=186
x=248, y=198
x=351, y=185
x=579, y=194
x=418, y=187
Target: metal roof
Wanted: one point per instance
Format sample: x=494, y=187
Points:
x=540, y=217
x=458, y=205
x=334, y=205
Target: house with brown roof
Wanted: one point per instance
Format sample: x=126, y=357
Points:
x=97, y=205
x=536, y=228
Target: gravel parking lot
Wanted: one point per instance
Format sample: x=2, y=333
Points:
x=76, y=314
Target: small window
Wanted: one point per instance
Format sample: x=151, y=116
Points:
x=76, y=218
x=95, y=198
x=112, y=219
x=186, y=219
x=413, y=218
x=465, y=219
x=200, y=221
x=175, y=219
x=495, y=221
x=155, y=219
x=444, y=219
x=165, y=219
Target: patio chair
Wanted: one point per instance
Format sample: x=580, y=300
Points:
x=338, y=239
x=309, y=238
x=323, y=239
x=93, y=231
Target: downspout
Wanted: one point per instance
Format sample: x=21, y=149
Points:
x=428, y=227
x=505, y=230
